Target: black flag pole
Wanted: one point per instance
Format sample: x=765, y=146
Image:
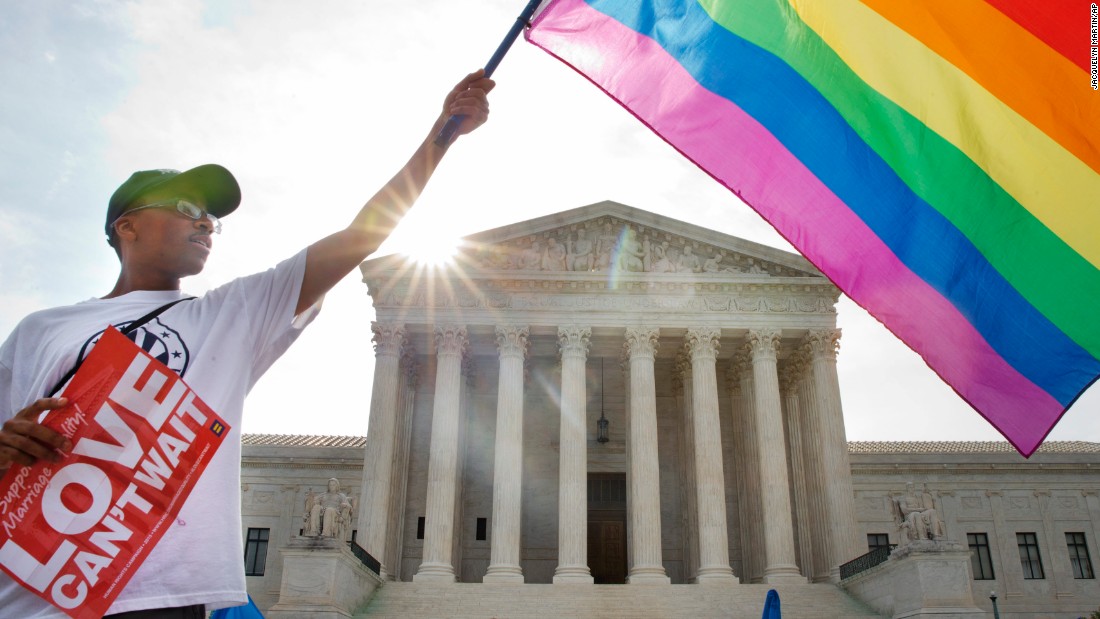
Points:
x=447, y=133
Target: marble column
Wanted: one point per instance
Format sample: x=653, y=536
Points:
x=691, y=526
x=508, y=457
x=437, y=566
x=376, y=489
x=645, y=473
x=779, y=560
x=816, y=476
x=410, y=372
x=752, y=534
x=844, y=544
x=573, y=470
x=681, y=386
x=710, y=491
x=788, y=387
x=737, y=408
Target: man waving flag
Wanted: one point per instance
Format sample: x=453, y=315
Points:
x=939, y=161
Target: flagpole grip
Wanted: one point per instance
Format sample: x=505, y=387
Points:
x=447, y=133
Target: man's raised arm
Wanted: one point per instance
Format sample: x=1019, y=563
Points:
x=334, y=256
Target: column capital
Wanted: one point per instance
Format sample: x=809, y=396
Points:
x=822, y=343
x=388, y=338
x=764, y=344
x=733, y=379
x=789, y=375
x=796, y=367
x=410, y=365
x=573, y=341
x=739, y=363
x=512, y=340
x=450, y=340
x=677, y=375
x=702, y=342
x=641, y=342
x=469, y=368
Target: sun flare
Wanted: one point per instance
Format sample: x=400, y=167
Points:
x=431, y=247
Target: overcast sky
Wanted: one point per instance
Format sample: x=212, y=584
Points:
x=313, y=105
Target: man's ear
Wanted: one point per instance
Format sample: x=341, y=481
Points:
x=124, y=229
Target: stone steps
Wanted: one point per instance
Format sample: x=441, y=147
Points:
x=407, y=600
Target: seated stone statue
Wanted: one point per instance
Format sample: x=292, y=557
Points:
x=916, y=516
x=328, y=514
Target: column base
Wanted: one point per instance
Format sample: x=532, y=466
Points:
x=435, y=572
x=504, y=573
x=784, y=575
x=715, y=574
x=573, y=574
x=648, y=576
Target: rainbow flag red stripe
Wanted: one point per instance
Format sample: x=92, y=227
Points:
x=937, y=160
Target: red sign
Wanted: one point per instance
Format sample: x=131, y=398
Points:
x=75, y=531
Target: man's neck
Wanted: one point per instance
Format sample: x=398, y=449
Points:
x=129, y=283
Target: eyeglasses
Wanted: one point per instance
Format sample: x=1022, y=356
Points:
x=183, y=207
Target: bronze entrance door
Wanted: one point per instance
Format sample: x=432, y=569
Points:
x=607, y=527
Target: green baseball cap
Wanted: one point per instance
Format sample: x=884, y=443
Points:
x=211, y=182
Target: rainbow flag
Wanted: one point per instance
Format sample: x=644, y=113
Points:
x=937, y=159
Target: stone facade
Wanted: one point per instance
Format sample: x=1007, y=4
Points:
x=713, y=360
x=988, y=489
x=1058, y=484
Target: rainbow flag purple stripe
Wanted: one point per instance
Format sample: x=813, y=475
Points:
x=944, y=176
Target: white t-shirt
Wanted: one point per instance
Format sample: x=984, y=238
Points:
x=220, y=344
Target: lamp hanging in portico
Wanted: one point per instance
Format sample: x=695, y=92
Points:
x=602, y=423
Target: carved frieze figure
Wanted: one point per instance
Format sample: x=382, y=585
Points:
x=328, y=514
x=605, y=247
x=530, y=259
x=494, y=258
x=553, y=258
x=631, y=256
x=916, y=516
x=580, y=253
x=756, y=269
x=689, y=262
x=714, y=264
x=659, y=262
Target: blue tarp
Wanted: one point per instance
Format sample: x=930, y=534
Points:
x=771, y=606
x=248, y=611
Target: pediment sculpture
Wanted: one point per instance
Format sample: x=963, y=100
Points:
x=609, y=244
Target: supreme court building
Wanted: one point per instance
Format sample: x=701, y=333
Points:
x=605, y=395
x=504, y=362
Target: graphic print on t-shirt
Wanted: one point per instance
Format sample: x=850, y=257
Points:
x=162, y=342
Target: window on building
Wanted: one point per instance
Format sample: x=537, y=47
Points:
x=876, y=541
x=420, y=528
x=481, y=526
x=981, y=563
x=1079, y=556
x=255, y=551
x=1029, y=556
